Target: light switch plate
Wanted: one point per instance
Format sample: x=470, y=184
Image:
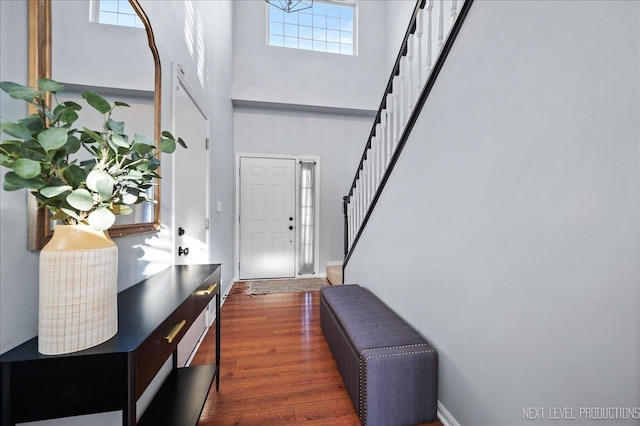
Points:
x=218, y=207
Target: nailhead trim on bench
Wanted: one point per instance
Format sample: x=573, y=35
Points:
x=414, y=345
x=363, y=370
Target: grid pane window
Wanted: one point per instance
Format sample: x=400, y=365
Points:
x=117, y=12
x=319, y=34
x=276, y=15
x=319, y=21
x=333, y=47
x=108, y=18
x=291, y=42
x=291, y=18
x=276, y=40
x=277, y=30
x=109, y=6
x=333, y=23
x=306, y=44
x=305, y=32
x=333, y=36
x=325, y=27
x=290, y=30
x=305, y=19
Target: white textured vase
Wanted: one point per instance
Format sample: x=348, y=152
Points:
x=78, y=290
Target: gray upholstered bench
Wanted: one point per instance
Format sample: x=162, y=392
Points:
x=390, y=371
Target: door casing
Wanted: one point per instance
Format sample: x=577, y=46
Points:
x=180, y=80
x=297, y=158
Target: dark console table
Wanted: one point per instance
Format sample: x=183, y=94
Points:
x=153, y=316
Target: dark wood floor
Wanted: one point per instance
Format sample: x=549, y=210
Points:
x=276, y=367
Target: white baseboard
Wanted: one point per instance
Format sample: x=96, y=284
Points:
x=334, y=262
x=227, y=290
x=445, y=416
x=196, y=347
x=223, y=296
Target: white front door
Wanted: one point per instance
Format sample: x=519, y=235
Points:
x=267, y=218
x=191, y=186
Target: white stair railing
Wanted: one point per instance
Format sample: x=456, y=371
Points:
x=433, y=26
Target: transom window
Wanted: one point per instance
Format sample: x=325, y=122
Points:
x=328, y=26
x=115, y=12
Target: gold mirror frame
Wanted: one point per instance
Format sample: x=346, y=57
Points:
x=40, y=230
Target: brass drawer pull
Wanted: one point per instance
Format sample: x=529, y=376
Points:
x=210, y=289
x=174, y=331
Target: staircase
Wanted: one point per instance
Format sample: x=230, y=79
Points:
x=431, y=32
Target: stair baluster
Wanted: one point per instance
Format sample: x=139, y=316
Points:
x=410, y=77
x=418, y=83
x=440, y=24
x=365, y=182
x=390, y=131
x=429, y=42
x=396, y=113
x=413, y=76
x=402, y=80
x=375, y=143
x=383, y=139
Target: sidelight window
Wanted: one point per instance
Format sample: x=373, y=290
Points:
x=306, y=255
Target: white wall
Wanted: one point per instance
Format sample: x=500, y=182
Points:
x=397, y=15
x=276, y=74
x=220, y=54
x=18, y=267
x=197, y=34
x=337, y=139
x=508, y=232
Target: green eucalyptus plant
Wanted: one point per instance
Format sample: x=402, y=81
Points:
x=42, y=153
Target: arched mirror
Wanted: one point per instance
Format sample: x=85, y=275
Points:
x=68, y=44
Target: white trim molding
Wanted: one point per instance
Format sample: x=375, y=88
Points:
x=445, y=416
x=179, y=79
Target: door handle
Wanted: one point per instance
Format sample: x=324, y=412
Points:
x=180, y=231
x=291, y=218
x=291, y=228
x=182, y=251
